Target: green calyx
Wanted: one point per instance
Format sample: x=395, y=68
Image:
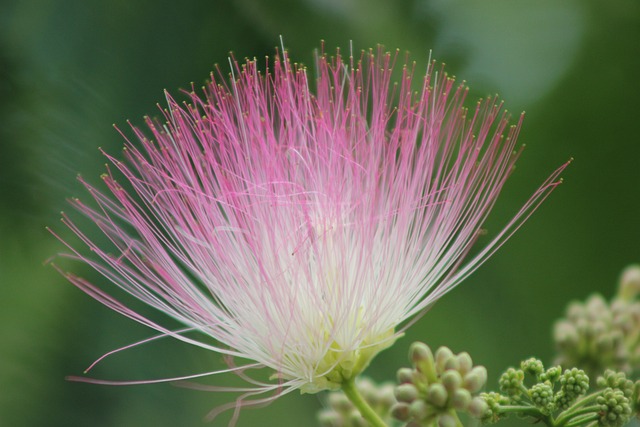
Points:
x=340, y=365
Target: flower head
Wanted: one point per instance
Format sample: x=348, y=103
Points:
x=301, y=229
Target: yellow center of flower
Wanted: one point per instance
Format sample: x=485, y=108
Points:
x=340, y=365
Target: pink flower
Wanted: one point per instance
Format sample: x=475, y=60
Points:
x=301, y=231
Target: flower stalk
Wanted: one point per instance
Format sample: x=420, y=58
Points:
x=368, y=413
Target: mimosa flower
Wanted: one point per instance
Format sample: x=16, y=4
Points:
x=301, y=230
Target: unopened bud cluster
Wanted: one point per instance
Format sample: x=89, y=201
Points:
x=340, y=412
x=560, y=398
x=618, y=400
x=437, y=387
x=597, y=334
x=548, y=390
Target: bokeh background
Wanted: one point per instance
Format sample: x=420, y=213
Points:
x=70, y=69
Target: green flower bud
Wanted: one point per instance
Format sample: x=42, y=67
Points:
x=607, y=341
x=404, y=375
x=562, y=401
x=368, y=390
x=597, y=307
x=443, y=354
x=340, y=403
x=511, y=382
x=437, y=395
x=616, y=380
x=400, y=411
x=576, y=311
x=386, y=395
x=574, y=382
x=629, y=286
x=565, y=335
x=477, y=407
x=356, y=420
x=447, y=420
x=552, y=374
x=465, y=363
x=406, y=393
x=532, y=366
x=460, y=399
x=422, y=357
x=329, y=418
x=475, y=380
x=452, y=364
x=419, y=409
x=542, y=397
x=493, y=402
x=451, y=379
x=615, y=408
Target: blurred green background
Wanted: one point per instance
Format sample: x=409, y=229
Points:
x=70, y=69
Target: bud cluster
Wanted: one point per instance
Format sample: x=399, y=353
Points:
x=560, y=398
x=597, y=334
x=437, y=387
x=614, y=408
x=618, y=400
x=549, y=391
x=340, y=412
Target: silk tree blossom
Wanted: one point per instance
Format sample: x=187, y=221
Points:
x=301, y=230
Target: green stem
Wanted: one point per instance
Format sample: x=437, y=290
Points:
x=367, y=412
x=582, y=420
x=582, y=401
x=564, y=419
x=524, y=410
x=531, y=411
